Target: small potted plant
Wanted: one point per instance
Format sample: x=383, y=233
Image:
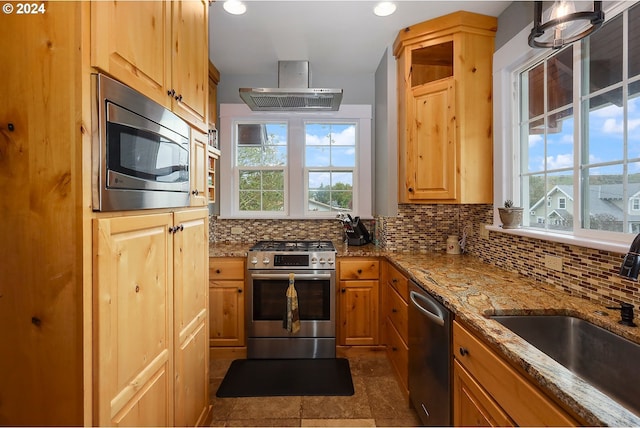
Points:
x=510, y=216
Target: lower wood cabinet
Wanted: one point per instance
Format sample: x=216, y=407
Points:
x=358, y=301
x=226, y=302
x=395, y=319
x=150, y=294
x=488, y=391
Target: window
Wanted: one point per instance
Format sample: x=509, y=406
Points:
x=578, y=114
x=330, y=164
x=295, y=165
x=635, y=202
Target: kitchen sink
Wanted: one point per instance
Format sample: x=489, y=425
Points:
x=605, y=360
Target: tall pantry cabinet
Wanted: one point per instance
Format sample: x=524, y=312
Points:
x=105, y=314
x=445, y=136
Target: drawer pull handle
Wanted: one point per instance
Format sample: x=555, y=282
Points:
x=217, y=271
x=359, y=271
x=463, y=351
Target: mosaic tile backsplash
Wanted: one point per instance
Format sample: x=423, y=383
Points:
x=587, y=273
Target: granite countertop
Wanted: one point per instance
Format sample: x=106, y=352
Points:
x=474, y=290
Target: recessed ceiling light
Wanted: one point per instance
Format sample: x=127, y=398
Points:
x=384, y=8
x=234, y=7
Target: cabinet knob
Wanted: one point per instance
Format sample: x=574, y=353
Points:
x=394, y=310
x=410, y=189
x=344, y=290
x=218, y=271
x=394, y=280
x=171, y=92
x=394, y=349
x=463, y=351
x=239, y=290
x=178, y=97
x=195, y=192
x=359, y=271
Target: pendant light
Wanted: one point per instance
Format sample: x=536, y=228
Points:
x=562, y=19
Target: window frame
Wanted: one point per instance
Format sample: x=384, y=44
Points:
x=511, y=59
x=296, y=179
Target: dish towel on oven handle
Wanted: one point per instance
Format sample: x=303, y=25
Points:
x=292, y=317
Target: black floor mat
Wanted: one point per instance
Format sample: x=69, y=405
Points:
x=271, y=377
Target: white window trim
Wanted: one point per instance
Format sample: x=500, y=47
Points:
x=295, y=208
x=507, y=60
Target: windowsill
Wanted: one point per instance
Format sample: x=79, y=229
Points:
x=614, y=247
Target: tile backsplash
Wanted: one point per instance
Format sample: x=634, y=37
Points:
x=587, y=273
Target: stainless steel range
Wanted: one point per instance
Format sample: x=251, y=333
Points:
x=269, y=264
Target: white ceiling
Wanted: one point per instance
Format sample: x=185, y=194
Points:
x=336, y=37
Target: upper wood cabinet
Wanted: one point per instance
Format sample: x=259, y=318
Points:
x=214, y=79
x=158, y=48
x=445, y=119
x=199, y=168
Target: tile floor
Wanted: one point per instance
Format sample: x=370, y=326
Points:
x=377, y=401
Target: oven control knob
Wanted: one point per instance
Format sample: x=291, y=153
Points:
x=330, y=261
x=314, y=260
x=265, y=261
x=322, y=261
x=254, y=261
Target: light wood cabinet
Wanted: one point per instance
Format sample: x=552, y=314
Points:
x=488, y=390
x=191, y=325
x=226, y=296
x=472, y=405
x=445, y=109
x=159, y=48
x=395, y=322
x=358, y=302
x=151, y=301
x=199, y=168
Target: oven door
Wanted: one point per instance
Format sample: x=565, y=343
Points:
x=267, y=303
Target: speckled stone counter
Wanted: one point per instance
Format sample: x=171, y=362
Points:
x=473, y=291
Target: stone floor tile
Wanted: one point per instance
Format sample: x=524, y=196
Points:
x=338, y=423
x=354, y=406
x=266, y=422
x=266, y=407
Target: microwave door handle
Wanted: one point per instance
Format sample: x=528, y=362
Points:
x=286, y=276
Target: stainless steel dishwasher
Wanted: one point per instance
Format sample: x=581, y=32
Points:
x=429, y=357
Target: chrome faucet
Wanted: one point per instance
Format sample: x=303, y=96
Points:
x=631, y=263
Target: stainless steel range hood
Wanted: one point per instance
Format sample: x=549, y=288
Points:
x=293, y=92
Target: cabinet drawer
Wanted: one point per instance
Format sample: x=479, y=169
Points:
x=221, y=268
x=398, y=281
x=398, y=353
x=524, y=402
x=397, y=311
x=359, y=269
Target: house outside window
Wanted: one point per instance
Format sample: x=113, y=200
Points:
x=635, y=204
x=295, y=165
x=575, y=129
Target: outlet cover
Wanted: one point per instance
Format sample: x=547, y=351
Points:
x=483, y=232
x=553, y=262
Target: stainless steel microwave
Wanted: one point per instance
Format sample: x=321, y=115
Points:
x=140, y=152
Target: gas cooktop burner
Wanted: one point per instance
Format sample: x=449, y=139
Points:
x=293, y=246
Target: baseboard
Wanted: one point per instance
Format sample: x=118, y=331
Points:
x=228, y=352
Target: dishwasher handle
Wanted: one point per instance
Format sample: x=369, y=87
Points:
x=434, y=313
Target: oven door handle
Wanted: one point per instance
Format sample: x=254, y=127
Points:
x=286, y=276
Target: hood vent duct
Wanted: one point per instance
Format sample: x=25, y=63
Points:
x=293, y=92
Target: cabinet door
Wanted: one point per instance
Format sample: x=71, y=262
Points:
x=199, y=170
x=472, y=406
x=432, y=159
x=226, y=300
x=191, y=269
x=133, y=348
x=358, y=313
x=190, y=61
x=131, y=42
